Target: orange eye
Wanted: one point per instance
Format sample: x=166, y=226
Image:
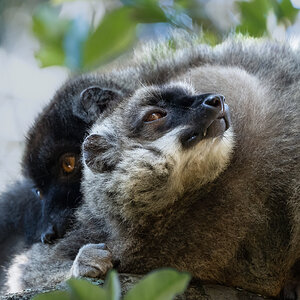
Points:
x=68, y=163
x=154, y=116
x=39, y=193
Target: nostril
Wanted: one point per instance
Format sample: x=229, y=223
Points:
x=215, y=101
x=49, y=235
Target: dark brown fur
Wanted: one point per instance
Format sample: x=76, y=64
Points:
x=241, y=228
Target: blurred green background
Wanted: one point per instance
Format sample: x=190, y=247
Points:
x=83, y=40
x=43, y=42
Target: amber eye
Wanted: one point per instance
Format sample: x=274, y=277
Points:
x=68, y=163
x=154, y=116
x=39, y=193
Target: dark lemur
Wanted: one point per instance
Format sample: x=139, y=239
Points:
x=23, y=205
x=52, y=153
x=199, y=173
x=52, y=159
x=41, y=207
x=52, y=156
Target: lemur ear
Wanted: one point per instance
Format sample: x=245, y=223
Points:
x=93, y=101
x=100, y=152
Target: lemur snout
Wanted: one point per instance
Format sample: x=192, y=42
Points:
x=49, y=235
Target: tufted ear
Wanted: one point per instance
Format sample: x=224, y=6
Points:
x=93, y=101
x=100, y=152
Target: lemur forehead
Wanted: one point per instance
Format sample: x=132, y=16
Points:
x=151, y=95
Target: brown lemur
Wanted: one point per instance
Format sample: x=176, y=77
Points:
x=197, y=170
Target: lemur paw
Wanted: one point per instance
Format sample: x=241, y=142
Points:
x=92, y=260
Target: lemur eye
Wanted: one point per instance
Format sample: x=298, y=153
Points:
x=154, y=116
x=68, y=162
x=39, y=193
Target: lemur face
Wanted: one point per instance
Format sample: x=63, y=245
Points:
x=52, y=158
x=157, y=134
x=162, y=110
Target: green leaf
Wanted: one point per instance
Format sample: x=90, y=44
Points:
x=57, y=295
x=253, y=17
x=163, y=284
x=61, y=40
x=47, y=26
x=210, y=38
x=284, y=11
x=182, y=3
x=146, y=11
x=112, y=286
x=50, y=30
x=114, y=35
x=83, y=290
x=58, y=2
x=50, y=56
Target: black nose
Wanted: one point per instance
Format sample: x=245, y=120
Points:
x=214, y=101
x=49, y=235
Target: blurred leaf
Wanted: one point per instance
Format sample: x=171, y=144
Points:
x=58, y=2
x=47, y=25
x=153, y=11
x=163, y=284
x=61, y=40
x=253, y=17
x=284, y=10
x=146, y=11
x=210, y=38
x=114, y=35
x=112, y=286
x=82, y=289
x=50, y=31
x=57, y=295
x=159, y=285
x=183, y=3
x=50, y=56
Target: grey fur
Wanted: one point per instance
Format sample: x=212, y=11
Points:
x=227, y=209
